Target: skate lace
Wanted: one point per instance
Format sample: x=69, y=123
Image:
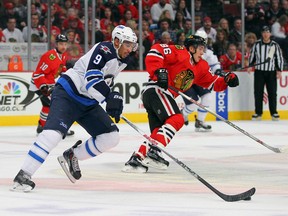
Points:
x=75, y=164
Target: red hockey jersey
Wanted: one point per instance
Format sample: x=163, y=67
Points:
x=177, y=60
x=50, y=66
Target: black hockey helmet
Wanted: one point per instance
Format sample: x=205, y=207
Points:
x=194, y=40
x=61, y=38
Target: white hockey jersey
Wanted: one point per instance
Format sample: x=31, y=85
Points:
x=90, y=80
x=212, y=60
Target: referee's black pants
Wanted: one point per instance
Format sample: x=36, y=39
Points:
x=268, y=78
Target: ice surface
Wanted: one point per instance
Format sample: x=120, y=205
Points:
x=226, y=158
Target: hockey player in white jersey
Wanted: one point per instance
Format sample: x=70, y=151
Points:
x=205, y=94
x=76, y=98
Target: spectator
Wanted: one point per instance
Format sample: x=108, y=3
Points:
x=221, y=45
x=188, y=27
x=147, y=16
x=10, y=12
x=107, y=20
x=100, y=8
x=224, y=25
x=207, y=27
x=180, y=38
x=114, y=8
x=235, y=36
x=199, y=14
x=127, y=4
x=54, y=31
x=278, y=29
x=73, y=22
x=158, y=8
x=147, y=33
x=254, y=17
x=164, y=25
x=11, y=33
x=74, y=50
x=179, y=22
x=166, y=15
x=37, y=31
x=127, y=16
x=232, y=59
x=250, y=39
x=284, y=8
x=181, y=6
x=2, y=37
x=165, y=38
x=273, y=13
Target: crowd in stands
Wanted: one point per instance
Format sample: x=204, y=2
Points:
x=164, y=21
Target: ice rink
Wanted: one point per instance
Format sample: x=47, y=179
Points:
x=226, y=158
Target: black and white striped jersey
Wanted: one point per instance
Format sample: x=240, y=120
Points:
x=259, y=54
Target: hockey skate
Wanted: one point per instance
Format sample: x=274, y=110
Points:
x=200, y=126
x=22, y=182
x=155, y=159
x=134, y=165
x=70, y=160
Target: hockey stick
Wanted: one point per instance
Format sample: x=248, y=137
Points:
x=228, y=198
x=270, y=56
x=276, y=150
x=23, y=107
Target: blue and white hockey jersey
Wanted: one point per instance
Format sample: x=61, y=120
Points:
x=90, y=80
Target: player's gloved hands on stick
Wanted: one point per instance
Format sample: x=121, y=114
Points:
x=231, y=79
x=220, y=72
x=162, y=78
x=45, y=90
x=114, y=106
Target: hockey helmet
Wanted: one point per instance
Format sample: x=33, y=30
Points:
x=203, y=34
x=61, y=38
x=124, y=33
x=195, y=41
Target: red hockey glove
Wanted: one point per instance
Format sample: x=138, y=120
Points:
x=231, y=79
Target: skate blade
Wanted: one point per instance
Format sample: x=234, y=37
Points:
x=153, y=164
x=21, y=188
x=63, y=163
x=202, y=130
x=131, y=169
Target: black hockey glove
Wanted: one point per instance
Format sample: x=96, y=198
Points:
x=45, y=90
x=220, y=72
x=231, y=79
x=114, y=106
x=162, y=78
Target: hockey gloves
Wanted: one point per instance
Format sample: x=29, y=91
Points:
x=114, y=106
x=45, y=90
x=162, y=78
x=231, y=79
x=220, y=72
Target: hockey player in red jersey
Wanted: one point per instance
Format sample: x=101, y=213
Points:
x=179, y=67
x=51, y=65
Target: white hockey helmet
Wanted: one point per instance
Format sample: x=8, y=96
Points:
x=124, y=33
x=202, y=33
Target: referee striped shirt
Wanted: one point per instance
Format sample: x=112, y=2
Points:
x=259, y=54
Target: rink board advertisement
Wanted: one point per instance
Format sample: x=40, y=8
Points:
x=234, y=104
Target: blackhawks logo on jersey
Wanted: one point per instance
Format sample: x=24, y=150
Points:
x=179, y=47
x=52, y=57
x=184, y=80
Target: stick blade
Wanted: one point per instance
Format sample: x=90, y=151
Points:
x=271, y=53
x=237, y=197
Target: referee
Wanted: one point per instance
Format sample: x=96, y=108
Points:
x=266, y=73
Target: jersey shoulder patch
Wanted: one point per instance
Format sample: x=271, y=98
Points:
x=52, y=57
x=179, y=47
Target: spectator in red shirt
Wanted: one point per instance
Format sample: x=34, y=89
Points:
x=232, y=59
x=2, y=37
x=127, y=4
